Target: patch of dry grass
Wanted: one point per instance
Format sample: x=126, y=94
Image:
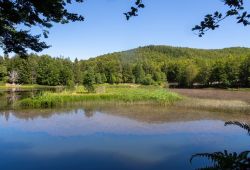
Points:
x=217, y=94
x=215, y=105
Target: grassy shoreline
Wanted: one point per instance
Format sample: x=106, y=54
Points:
x=26, y=86
x=207, y=99
x=110, y=94
x=32, y=86
x=229, y=106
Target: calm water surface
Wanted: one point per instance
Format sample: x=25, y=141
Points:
x=99, y=137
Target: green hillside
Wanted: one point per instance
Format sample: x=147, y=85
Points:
x=215, y=67
x=160, y=53
x=150, y=65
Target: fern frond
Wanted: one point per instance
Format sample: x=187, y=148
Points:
x=226, y=160
x=240, y=124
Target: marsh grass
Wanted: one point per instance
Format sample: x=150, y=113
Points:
x=27, y=86
x=211, y=100
x=240, y=89
x=216, y=94
x=113, y=94
x=215, y=105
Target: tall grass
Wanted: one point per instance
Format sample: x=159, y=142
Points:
x=215, y=105
x=114, y=94
x=26, y=86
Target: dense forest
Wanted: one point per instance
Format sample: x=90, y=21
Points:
x=148, y=65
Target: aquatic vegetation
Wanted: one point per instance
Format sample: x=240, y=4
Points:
x=241, y=94
x=215, y=105
x=27, y=87
x=112, y=93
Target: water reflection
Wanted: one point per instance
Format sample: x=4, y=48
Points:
x=9, y=96
x=225, y=160
x=114, y=137
x=141, y=113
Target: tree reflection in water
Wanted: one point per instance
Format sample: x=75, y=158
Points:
x=225, y=160
x=88, y=112
x=13, y=97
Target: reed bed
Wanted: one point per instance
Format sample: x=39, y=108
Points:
x=111, y=94
x=215, y=105
x=216, y=94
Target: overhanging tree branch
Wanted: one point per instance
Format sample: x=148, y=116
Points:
x=212, y=21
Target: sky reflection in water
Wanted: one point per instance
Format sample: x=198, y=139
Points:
x=114, y=138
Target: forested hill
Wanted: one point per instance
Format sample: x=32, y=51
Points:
x=161, y=53
x=148, y=65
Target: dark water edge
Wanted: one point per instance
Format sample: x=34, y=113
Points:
x=115, y=137
x=9, y=96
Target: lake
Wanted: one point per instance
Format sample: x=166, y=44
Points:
x=124, y=137
x=10, y=95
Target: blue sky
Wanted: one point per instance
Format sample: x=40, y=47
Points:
x=162, y=22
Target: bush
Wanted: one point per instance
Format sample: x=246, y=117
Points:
x=148, y=80
x=70, y=84
x=89, y=80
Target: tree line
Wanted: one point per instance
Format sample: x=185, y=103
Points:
x=150, y=65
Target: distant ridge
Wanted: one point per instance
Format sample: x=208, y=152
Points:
x=162, y=52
